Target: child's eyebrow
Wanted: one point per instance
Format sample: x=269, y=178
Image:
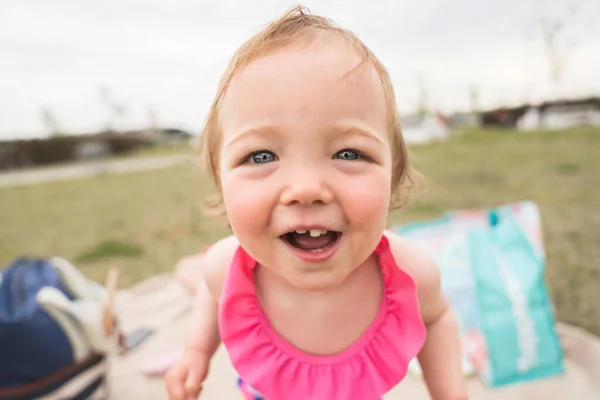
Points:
x=338, y=133
x=359, y=132
x=265, y=132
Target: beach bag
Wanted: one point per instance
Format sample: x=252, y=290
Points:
x=517, y=340
x=466, y=268
x=54, y=341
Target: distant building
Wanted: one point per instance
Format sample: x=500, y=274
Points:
x=504, y=117
x=84, y=147
x=562, y=115
x=92, y=150
x=556, y=114
x=161, y=136
x=174, y=136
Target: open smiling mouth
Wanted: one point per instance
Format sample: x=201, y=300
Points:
x=314, y=240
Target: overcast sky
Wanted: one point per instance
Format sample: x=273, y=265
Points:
x=169, y=55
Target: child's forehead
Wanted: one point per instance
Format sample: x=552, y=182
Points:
x=321, y=69
x=310, y=64
x=290, y=108
x=316, y=49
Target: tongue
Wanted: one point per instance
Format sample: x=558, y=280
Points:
x=307, y=242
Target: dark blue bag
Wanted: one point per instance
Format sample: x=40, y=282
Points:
x=41, y=352
x=32, y=344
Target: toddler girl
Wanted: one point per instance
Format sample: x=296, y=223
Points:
x=311, y=297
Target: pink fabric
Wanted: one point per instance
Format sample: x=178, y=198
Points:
x=366, y=370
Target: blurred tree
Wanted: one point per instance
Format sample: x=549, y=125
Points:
x=153, y=121
x=51, y=123
x=474, y=104
x=557, y=40
x=116, y=110
x=423, y=100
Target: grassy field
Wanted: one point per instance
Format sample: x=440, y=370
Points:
x=147, y=221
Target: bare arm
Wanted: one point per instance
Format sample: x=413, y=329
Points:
x=184, y=380
x=440, y=357
x=204, y=333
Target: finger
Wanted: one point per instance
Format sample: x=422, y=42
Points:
x=193, y=384
x=175, y=384
x=176, y=392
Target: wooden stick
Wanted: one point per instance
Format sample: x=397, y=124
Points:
x=111, y=289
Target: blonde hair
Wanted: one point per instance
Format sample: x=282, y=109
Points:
x=295, y=24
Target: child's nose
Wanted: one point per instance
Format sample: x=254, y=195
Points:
x=306, y=188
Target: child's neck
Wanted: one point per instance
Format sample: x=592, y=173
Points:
x=326, y=321
x=266, y=280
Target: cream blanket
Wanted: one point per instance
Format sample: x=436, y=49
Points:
x=164, y=303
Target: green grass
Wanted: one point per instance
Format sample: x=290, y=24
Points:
x=158, y=212
x=109, y=249
x=567, y=168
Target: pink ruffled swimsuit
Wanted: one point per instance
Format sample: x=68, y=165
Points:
x=366, y=370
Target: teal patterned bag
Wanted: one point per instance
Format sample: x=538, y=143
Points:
x=492, y=265
x=515, y=313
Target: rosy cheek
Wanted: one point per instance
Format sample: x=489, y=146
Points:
x=243, y=203
x=368, y=196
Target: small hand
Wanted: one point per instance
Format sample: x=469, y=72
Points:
x=184, y=380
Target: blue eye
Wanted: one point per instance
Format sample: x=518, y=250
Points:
x=348, y=155
x=263, y=157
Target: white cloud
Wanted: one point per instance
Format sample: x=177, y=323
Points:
x=169, y=55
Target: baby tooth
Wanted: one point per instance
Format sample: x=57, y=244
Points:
x=324, y=232
x=315, y=232
x=300, y=231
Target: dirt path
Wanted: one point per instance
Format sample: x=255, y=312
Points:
x=85, y=170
